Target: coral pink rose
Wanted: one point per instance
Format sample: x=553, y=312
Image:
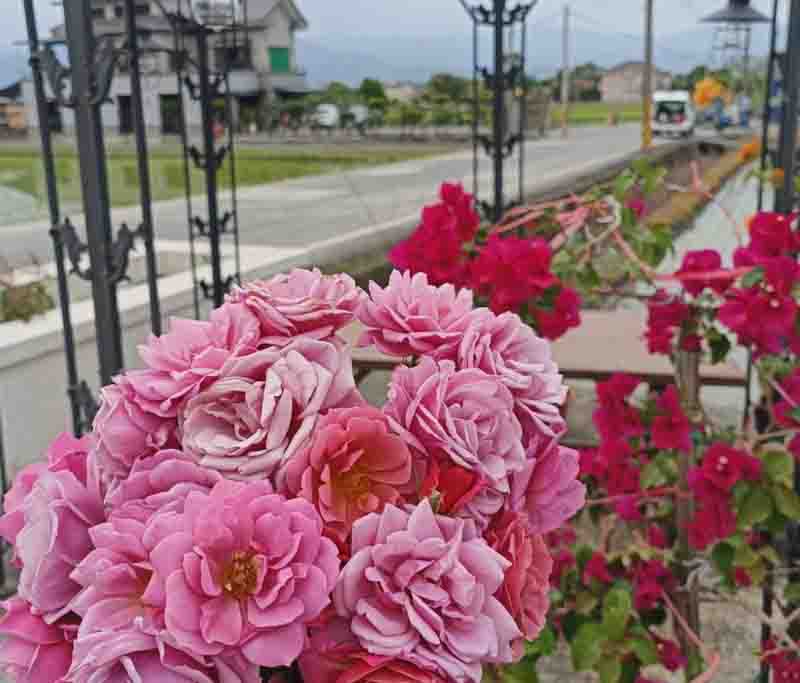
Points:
x=33, y=651
x=125, y=433
x=410, y=317
x=353, y=466
x=241, y=569
x=335, y=656
x=58, y=512
x=466, y=416
x=505, y=347
x=265, y=407
x=420, y=587
x=303, y=302
x=526, y=587
x=547, y=490
x=145, y=654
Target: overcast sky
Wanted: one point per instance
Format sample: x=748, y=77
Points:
x=431, y=17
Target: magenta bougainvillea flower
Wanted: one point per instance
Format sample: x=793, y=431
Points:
x=596, y=569
x=615, y=418
x=353, y=466
x=434, y=566
x=696, y=263
x=302, y=302
x=671, y=428
x=410, y=317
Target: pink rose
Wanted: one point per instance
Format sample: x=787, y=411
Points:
x=526, y=586
x=410, y=317
x=420, y=587
x=335, y=656
x=466, y=416
x=265, y=407
x=145, y=654
x=33, y=651
x=353, y=466
x=125, y=433
x=241, y=569
x=58, y=512
x=505, y=347
x=547, y=489
x=303, y=302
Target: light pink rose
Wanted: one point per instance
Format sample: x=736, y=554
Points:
x=466, y=416
x=526, y=587
x=189, y=357
x=410, y=317
x=143, y=654
x=159, y=484
x=421, y=587
x=547, y=490
x=241, y=569
x=265, y=407
x=302, y=302
x=58, y=512
x=33, y=651
x=334, y=655
x=352, y=466
x=505, y=347
x=125, y=433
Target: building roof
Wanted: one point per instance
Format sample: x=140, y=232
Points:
x=299, y=21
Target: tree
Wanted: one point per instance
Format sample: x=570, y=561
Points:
x=449, y=87
x=371, y=91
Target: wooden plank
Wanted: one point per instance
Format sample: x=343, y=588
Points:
x=606, y=343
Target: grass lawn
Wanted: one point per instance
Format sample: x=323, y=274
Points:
x=21, y=169
x=594, y=113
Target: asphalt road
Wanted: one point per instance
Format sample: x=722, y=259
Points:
x=311, y=210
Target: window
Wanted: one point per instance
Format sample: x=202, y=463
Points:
x=98, y=13
x=233, y=57
x=279, y=60
x=143, y=10
x=119, y=11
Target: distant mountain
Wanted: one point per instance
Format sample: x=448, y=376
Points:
x=13, y=65
x=336, y=56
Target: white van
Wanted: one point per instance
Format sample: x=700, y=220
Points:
x=326, y=116
x=674, y=113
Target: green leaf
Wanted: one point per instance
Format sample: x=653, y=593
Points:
x=652, y=475
x=719, y=344
x=753, y=278
x=779, y=466
x=585, y=602
x=795, y=413
x=787, y=502
x=755, y=508
x=792, y=593
x=722, y=556
x=587, y=648
x=521, y=672
x=644, y=649
x=617, y=608
x=610, y=670
x=544, y=646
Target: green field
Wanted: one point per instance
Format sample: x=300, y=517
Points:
x=21, y=168
x=597, y=113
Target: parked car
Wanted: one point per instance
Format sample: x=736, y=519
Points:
x=326, y=116
x=674, y=113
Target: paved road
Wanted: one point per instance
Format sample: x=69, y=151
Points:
x=314, y=209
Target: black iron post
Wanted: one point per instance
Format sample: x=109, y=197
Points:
x=48, y=163
x=88, y=100
x=211, y=163
x=785, y=198
x=773, y=43
x=147, y=228
x=499, y=109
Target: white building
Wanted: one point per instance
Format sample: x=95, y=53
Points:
x=264, y=67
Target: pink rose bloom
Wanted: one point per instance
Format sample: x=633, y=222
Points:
x=334, y=655
x=241, y=569
x=139, y=653
x=352, y=467
x=189, y=357
x=421, y=587
x=125, y=433
x=58, y=512
x=303, y=302
x=265, y=407
x=547, y=489
x=159, y=484
x=526, y=587
x=33, y=651
x=505, y=347
x=413, y=318
x=465, y=416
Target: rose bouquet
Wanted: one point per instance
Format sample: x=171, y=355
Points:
x=239, y=508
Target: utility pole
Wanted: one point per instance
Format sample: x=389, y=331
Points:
x=565, y=75
x=647, y=80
